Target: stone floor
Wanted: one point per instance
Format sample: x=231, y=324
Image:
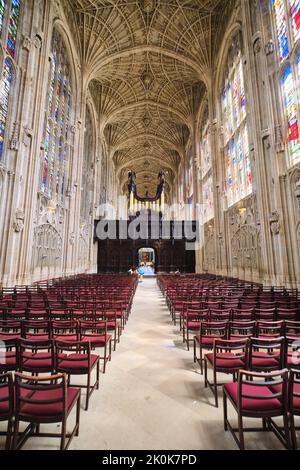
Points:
x=152, y=396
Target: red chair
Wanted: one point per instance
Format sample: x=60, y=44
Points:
x=266, y=355
x=228, y=357
x=65, y=330
x=7, y=406
x=289, y=314
x=269, y=329
x=9, y=355
x=98, y=337
x=220, y=315
x=76, y=359
x=114, y=323
x=209, y=331
x=294, y=404
x=292, y=353
x=267, y=314
x=253, y=397
x=36, y=356
x=243, y=314
x=241, y=329
x=45, y=400
x=10, y=329
x=191, y=323
x=36, y=330
x=189, y=308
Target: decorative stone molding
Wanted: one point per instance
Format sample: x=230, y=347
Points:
x=18, y=223
x=279, y=139
x=27, y=136
x=257, y=46
x=27, y=43
x=297, y=191
x=147, y=6
x=37, y=42
x=72, y=239
x=270, y=47
x=15, y=139
x=274, y=223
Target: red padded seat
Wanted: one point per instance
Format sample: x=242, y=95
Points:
x=252, y=404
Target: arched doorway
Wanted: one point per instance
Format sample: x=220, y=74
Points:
x=146, y=257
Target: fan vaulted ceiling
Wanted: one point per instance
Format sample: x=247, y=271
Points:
x=146, y=61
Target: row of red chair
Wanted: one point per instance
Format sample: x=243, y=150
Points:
x=242, y=328
x=59, y=341
x=257, y=354
x=37, y=401
x=52, y=356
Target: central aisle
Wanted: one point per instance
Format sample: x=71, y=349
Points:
x=151, y=396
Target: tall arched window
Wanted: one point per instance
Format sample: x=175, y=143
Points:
x=234, y=117
x=206, y=169
x=295, y=13
x=286, y=16
x=57, y=122
x=9, y=23
x=190, y=179
x=87, y=170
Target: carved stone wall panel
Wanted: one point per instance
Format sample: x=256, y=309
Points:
x=47, y=250
x=209, y=251
x=244, y=233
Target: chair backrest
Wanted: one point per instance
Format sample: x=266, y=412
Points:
x=220, y=314
x=277, y=383
x=223, y=349
x=194, y=314
x=265, y=314
x=41, y=393
x=36, y=355
x=10, y=329
x=92, y=328
x=289, y=314
x=214, y=329
x=292, y=330
x=242, y=313
x=9, y=354
x=267, y=354
x=294, y=392
x=36, y=329
x=68, y=329
x=6, y=396
x=67, y=354
x=241, y=329
x=269, y=329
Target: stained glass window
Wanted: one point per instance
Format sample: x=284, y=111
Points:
x=190, y=179
x=237, y=162
x=58, y=113
x=208, y=198
x=205, y=151
x=87, y=173
x=290, y=104
x=11, y=30
x=206, y=171
x=2, y=12
x=295, y=14
x=13, y=27
x=5, y=86
x=280, y=16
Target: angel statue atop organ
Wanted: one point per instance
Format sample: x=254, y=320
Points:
x=131, y=181
x=162, y=182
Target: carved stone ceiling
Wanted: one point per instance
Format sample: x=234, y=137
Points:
x=147, y=62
